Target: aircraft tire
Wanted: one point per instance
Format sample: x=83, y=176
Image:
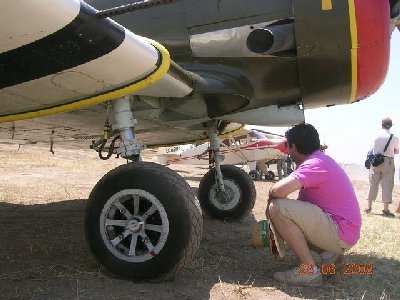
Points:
x=255, y=175
x=270, y=175
x=143, y=222
x=240, y=190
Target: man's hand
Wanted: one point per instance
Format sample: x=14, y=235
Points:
x=284, y=187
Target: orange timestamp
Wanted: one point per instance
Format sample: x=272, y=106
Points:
x=345, y=270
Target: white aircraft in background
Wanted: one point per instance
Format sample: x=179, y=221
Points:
x=256, y=148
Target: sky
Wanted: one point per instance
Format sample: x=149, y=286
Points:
x=348, y=130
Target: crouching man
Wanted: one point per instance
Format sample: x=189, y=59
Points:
x=325, y=217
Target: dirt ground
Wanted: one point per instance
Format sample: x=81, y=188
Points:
x=44, y=255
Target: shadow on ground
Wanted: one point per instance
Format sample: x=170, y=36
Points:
x=44, y=255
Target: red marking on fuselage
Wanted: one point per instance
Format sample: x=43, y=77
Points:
x=373, y=41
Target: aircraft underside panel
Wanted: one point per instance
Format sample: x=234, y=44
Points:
x=80, y=127
x=86, y=61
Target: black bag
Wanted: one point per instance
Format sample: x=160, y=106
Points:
x=367, y=162
x=376, y=159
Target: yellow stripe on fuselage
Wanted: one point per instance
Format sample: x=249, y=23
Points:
x=354, y=49
x=116, y=94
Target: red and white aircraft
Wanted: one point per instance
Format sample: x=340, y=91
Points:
x=249, y=146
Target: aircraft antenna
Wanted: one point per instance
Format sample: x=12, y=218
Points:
x=123, y=9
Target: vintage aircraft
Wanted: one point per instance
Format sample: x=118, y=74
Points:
x=249, y=146
x=234, y=62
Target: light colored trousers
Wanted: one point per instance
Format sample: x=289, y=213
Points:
x=318, y=227
x=383, y=174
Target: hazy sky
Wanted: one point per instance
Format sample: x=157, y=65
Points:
x=348, y=129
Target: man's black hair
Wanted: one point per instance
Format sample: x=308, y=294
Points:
x=305, y=137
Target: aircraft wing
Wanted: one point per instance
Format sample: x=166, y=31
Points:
x=65, y=59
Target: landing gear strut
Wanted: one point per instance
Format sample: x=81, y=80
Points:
x=225, y=192
x=142, y=219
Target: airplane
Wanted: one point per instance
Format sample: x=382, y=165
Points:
x=256, y=148
x=118, y=77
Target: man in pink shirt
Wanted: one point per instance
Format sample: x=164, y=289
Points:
x=325, y=217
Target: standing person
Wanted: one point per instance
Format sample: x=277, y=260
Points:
x=262, y=166
x=325, y=217
x=281, y=167
x=384, y=173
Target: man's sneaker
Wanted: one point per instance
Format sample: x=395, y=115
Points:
x=387, y=213
x=295, y=277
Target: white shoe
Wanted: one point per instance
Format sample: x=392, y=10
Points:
x=295, y=277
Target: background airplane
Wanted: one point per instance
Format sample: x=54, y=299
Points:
x=256, y=148
x=233, y=62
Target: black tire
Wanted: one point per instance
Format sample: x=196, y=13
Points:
x=125, y=195
x=270, y=175
x=255, y=175
x=241, y=190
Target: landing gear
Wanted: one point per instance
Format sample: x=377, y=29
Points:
x=225, y=192
x=270, y=176
x=142, y=221
x=140, y=230
x=235, y=202
x=255, y=175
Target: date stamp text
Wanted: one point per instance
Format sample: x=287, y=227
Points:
x=345, y=270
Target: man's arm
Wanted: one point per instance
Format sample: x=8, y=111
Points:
x=284, y=187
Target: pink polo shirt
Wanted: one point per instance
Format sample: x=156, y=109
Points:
x=326, y=185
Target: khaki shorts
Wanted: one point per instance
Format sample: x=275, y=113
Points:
x=318, y=227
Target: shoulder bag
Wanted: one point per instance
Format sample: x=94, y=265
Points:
x=377, y=159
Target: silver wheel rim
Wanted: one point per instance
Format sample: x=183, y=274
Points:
x=134, y=225
x=232, y=198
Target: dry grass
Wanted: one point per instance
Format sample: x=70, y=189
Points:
x=43, y=254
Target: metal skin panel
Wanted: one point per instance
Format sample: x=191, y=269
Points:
x=88, y=61
x=205, y=16
x=77, y=42
x=36, y=26
x=323, y=50
x=206, y=12
x=343, y=49
x=171, y=25
x=165, y=24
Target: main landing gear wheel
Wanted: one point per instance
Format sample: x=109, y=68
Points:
x=143, y=222
x=238, y=199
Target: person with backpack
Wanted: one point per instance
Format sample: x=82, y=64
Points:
x=387, y=144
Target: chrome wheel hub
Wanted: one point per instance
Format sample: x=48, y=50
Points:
x=134, y=225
